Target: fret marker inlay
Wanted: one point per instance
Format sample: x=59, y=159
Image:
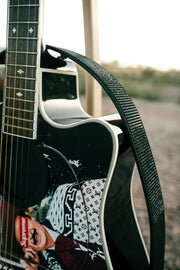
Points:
x=30, y=30
x=19, y=94
x=14, y=30
x=20, y=71
x=20, y=106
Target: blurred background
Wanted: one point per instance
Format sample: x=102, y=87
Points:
x=139, y=43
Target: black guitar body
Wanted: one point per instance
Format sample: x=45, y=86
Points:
x=58, y=156
x=26, y=182
x=89, y=153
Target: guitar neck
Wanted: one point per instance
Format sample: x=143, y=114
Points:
x=22, y=63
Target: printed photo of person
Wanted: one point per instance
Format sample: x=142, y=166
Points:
x=60, y=248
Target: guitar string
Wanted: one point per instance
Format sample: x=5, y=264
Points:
x=24, y=188
x=3, y=151
x=1, y=212
x=25, y=114
x=17, y=126
x=14, y=147
x=17, y=152
x=17, y=105
x=3, y=180
x=30, y=84
x=16, y=166
x=33, y=31
x=20, y=141
x=24, y=103
x=5, y=162
x=15, y=131
x=12, y=138
x=6, y=151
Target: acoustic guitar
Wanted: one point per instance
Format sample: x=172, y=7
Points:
x=65, y=176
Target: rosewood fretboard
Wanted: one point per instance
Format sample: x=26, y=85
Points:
x=20, y=99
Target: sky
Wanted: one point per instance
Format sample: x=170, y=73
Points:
x=134, y=32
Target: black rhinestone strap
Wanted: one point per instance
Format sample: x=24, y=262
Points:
x=140, y=145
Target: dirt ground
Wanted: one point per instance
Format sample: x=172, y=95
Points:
x=162, y=124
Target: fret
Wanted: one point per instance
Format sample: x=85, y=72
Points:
x=19, y=131
x=23, y=38
x=18, y=29
x=19, y=83
x=23, y=35
x=19, y=113
x=19, y=59
x=22, y=52
x=11, y=118
x=25, y=22
x=16, y=122
x=20, y=93
x=21, y=89
x=13, y=126
x=8, y=108
x=17, y=127
x=26, y=13
x=25, y=46
x=24, y=66
x=25, y=5
x=19, y=104
x=22, y=78
x=24, y=2
x=22, y=71
x=20, y=99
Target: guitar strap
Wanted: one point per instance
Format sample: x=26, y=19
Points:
x=142, y=152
